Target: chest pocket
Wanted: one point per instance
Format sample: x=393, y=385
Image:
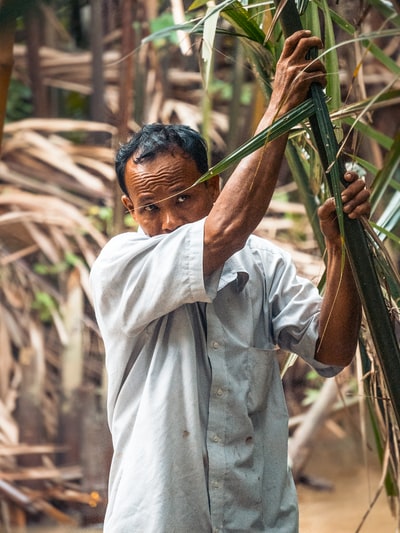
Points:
x=263, y=380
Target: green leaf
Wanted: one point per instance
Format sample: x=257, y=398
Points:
x=280, y=126
x=239, y=17
x=197, y=4
x=366, y=39
x=390, y=168
x=166, y=32
x=331, y=60
x=207, y=49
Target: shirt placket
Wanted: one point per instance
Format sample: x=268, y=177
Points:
x=217, y=419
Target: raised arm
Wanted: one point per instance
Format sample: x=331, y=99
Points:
x=341, y=309
x=245, y=198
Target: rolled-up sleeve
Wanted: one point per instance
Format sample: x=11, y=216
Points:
x=137, y=279
x=294, y=305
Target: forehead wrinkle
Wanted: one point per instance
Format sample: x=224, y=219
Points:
x=169, y=176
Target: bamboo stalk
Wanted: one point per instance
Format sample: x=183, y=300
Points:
x=356, y=244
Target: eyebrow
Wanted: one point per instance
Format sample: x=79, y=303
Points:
x=148, y=199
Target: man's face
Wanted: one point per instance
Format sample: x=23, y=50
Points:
x=160, y=198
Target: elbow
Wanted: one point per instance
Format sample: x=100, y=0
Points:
x=335, y=355
x=219, y=247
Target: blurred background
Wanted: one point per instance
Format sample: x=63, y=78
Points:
x=77, y=77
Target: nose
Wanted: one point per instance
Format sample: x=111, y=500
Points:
x=170, y=221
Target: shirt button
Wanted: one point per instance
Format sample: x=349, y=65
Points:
x=216, y=438
x=215, y=345
x=220, y=392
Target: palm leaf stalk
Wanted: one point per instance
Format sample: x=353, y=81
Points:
x=285, y=123
x=355, y=241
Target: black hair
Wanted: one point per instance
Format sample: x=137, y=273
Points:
x=155, y=139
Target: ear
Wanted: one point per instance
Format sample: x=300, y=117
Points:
x=127, y=202
x=213, y=185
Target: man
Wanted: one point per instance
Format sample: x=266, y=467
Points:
x=192, y=309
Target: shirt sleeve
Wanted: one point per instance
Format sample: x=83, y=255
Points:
x=295, y=308
x=137, y=279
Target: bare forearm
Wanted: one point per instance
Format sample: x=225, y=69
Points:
x=340, y=314
x=246, y=196
x=242, y=203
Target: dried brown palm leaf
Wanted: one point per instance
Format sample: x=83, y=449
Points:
x=8, y=426
x=94, y=166
x=78, y=196
x=7, y=362
x=73, y=66
x=42, y=149
x=58, y=125
x=46, y=210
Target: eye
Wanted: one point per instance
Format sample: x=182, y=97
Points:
x=182, y=198
x=150, y=208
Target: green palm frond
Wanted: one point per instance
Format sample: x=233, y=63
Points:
x=359, y=250
x=279, y=127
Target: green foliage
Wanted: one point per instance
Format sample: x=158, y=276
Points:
x=162, y=26
x=314, y=384
x=102, y=218
x=75, y=105
x=12, y=9
x=44, y=305
x=70, y=260
x=19, y=101
x=224, y=91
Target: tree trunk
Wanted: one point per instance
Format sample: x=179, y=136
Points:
x=125, y=96
x=97, y=109
x=33, y=21
x=7, y=32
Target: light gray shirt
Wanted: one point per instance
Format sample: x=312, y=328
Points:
x=195, y=400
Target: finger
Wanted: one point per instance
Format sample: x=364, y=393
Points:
x=359, y=197
x=360, y=211
x=353, y=190
x=315, y=77
x=359, y=205
x=356, y=185
x=314, y=65
x=351, y=176
x=299, y=44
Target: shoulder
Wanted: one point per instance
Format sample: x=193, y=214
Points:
x=264, y=260
x=116, y=250
x=131, y=249
x=260, y=247
x=129, y=237
x=117, y=245
x=118, y=242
